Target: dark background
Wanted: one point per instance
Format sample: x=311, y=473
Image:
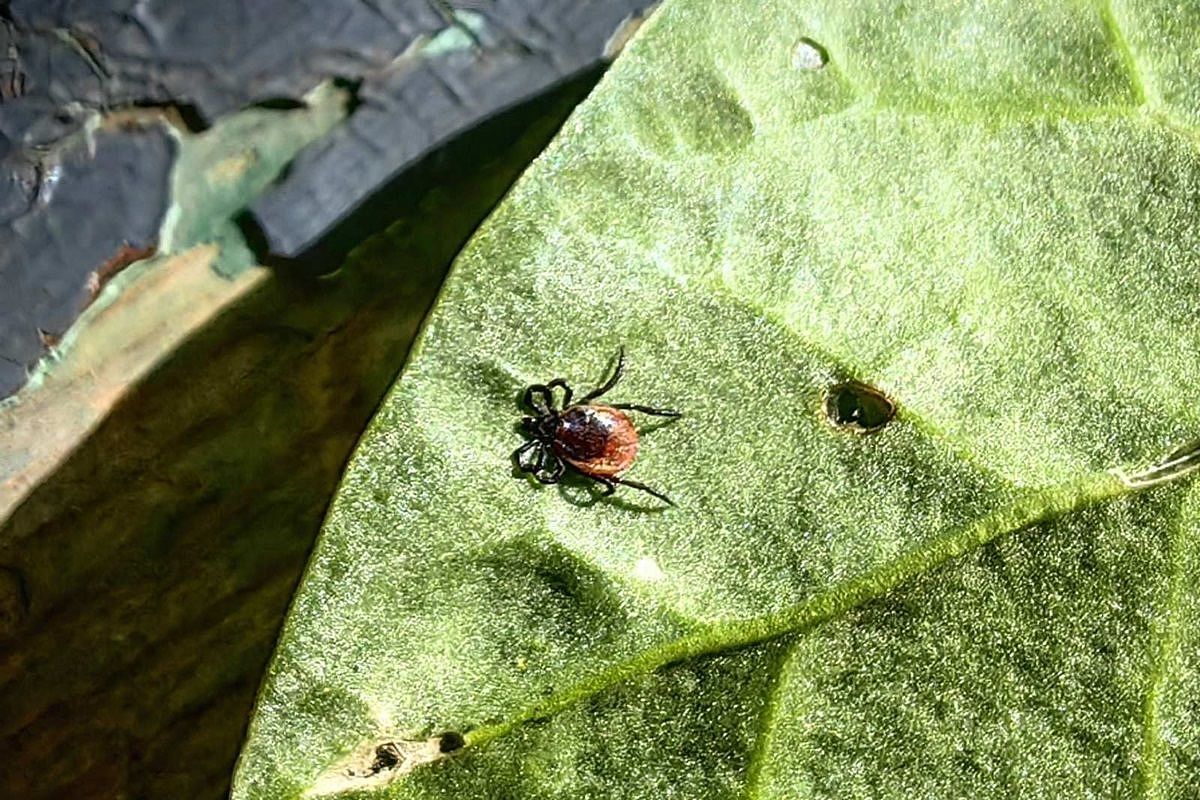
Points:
x=70, y=203
x=142, y=583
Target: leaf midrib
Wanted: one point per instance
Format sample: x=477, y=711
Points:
x=1029, y=508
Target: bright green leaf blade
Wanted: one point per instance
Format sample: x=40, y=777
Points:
x=1039, y=691
x=986, y=212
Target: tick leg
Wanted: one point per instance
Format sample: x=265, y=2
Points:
x=657, y=412
x=538, y=398
x=611, y=382
x=644, y=488
x=550, y=467
x=561, y=384
x=610, y=486
x=519, y=459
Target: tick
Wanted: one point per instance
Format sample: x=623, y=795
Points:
x=596, y=440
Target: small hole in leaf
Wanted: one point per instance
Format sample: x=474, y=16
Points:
x=857, y=407
x=809, y=55
x=386, y=757
x=451, y=742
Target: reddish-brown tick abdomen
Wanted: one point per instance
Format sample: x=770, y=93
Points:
x=596, y=440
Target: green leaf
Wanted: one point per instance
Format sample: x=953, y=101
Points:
x=987, y=212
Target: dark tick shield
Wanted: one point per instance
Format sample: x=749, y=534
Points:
x=597, y=441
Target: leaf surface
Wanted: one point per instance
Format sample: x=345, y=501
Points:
x=985, y=211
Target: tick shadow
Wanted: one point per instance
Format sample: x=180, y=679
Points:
x=499, y=385
x=582, y=492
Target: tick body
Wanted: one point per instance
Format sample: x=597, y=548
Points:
x=597, y=441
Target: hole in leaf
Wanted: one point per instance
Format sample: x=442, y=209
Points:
x=857, y=407
x=378, y=763
x=387, y=756
x=809, y=55
x=451, y=742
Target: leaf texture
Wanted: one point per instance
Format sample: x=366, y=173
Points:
x=986, y=211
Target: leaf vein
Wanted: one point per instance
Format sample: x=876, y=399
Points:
x=1164, y=645
x=762, y=744
x=1028, y=508
x=1139, y=77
